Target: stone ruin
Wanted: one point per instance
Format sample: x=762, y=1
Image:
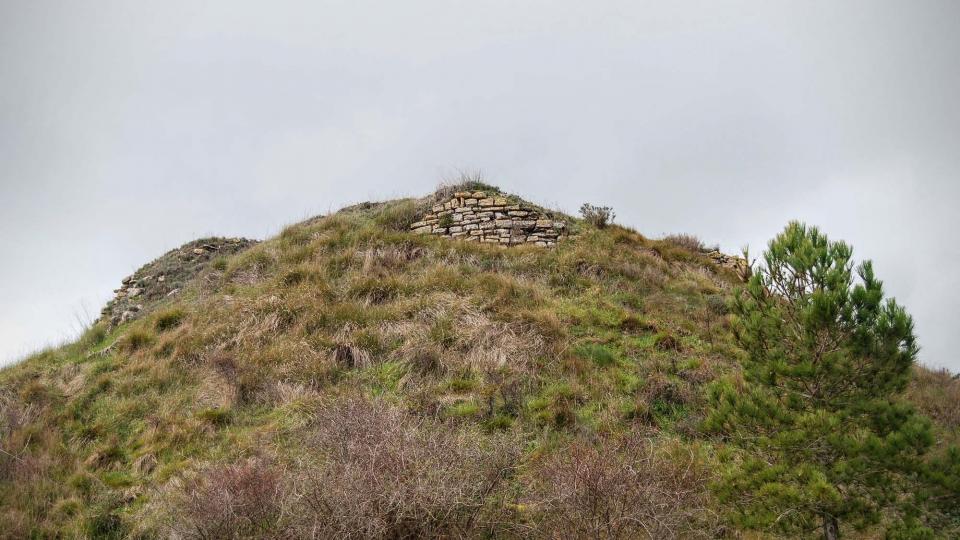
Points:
x=738, y=264
x=492, y=218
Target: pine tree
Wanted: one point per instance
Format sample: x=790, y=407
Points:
x=823, y=439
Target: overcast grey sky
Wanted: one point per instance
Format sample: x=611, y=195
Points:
x=128, y=128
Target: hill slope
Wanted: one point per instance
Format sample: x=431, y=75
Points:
x=352, y=378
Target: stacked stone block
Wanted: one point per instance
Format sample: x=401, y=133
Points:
x=479, y=217
x=737, y=264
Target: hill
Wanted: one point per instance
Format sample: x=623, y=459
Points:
x=372, y=374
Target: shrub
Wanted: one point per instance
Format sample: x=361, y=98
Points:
x=717, y=304
x=598, y=216
x=830, y=356
x=392, y=475
x=622, y=489
x=243, y=500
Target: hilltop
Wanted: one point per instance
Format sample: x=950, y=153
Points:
x=372, y=373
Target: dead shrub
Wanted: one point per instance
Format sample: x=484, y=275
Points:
x=622, y=489
x=243, y=500
x=389, y=474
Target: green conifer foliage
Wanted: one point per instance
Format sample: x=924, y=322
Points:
x=825, y=442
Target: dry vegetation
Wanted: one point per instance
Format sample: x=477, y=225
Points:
x=349, y=379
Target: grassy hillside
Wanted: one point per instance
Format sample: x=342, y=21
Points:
x=351, y=379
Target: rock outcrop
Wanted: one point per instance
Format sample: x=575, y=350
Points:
x=738, y=264
x=166, y=276
x=479, y=216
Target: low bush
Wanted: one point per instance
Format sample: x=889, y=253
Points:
x=598, y=216
x=622, y=489
x=392, y=475
x=243, y=500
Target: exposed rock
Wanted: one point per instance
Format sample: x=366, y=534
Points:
x=738, y=264
x=166, y=276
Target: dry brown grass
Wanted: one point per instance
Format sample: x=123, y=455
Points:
x=14, y=417
x=689, y=242
x=937, y=394
x=463, y=337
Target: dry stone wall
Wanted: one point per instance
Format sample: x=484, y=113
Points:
x=481, y=217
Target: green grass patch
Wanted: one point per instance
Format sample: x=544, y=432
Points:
x=601, y=355
x=216, y=416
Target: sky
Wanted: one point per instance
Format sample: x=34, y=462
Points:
x=129, y=128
